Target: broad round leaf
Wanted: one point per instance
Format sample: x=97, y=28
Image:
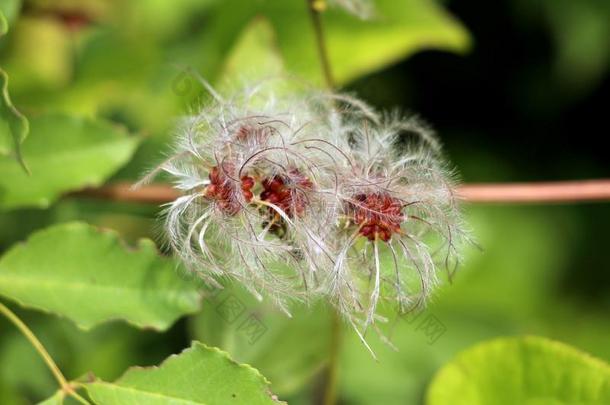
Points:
x=90, y=276
x=529, y=371
x=199, y=375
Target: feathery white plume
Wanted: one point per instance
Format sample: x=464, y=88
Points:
x=313, y=195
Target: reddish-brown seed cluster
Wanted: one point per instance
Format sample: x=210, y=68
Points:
x=223, y=191
x=287, y=192
x=377, y=215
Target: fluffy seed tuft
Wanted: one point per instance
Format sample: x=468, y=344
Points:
x=313, y=196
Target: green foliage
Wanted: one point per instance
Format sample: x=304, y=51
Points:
x=114, y=73
x=105, y=351
x=528, y=370
x=199, y=375
x=87, y=275
x=64, y=153
x=266, y=338
x=14, y=127
x=81, y=87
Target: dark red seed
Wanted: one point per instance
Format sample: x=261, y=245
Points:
x=378, y=215
x=284, y=192
x=223, y=191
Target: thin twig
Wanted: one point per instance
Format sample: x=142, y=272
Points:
x=536, y=192
x=315, y=8
x=29, y=335
x=125, y=192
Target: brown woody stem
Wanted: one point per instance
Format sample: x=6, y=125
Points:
x=536, y=192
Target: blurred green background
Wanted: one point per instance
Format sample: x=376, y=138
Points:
x=517, y=89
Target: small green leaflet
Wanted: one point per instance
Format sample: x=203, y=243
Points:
x=198, y=375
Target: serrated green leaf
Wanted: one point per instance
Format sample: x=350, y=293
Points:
x=199, y=375
x=64, y=153
x=529, y=370
x=90, y=277
x=14, y=127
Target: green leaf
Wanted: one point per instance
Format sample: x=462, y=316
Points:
x=199, y=375
x=529, y=370
x=64, y=153
x=90, y=277
x=14, y=126
x=105, y=351
x=57, y=399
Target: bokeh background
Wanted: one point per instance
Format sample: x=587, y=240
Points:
x=520, y=93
